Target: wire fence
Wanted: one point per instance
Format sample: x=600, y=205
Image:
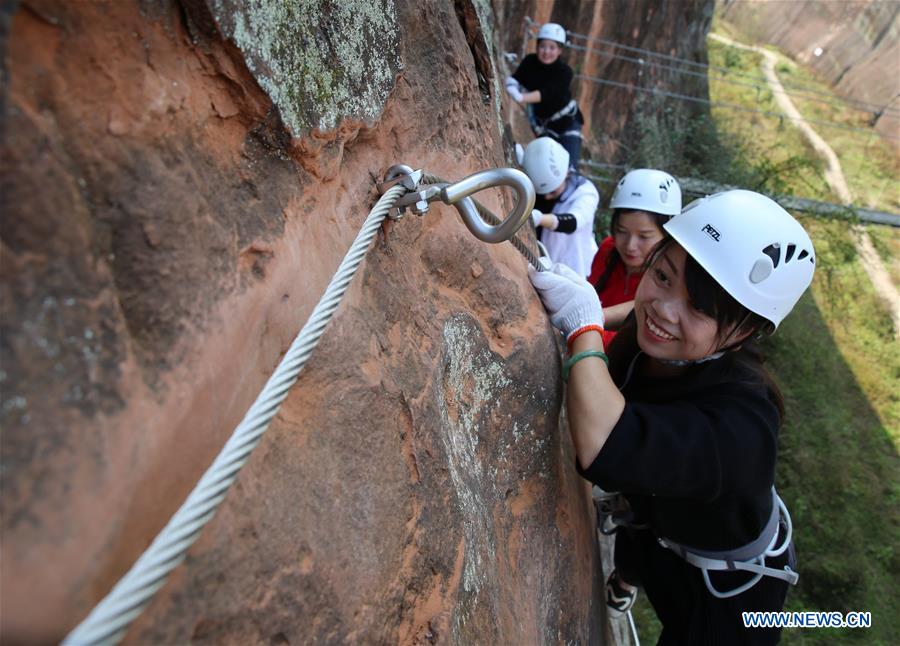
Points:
x=721, y=104
x=702, y=69
x=700, y=187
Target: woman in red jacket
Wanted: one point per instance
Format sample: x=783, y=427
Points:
x=643, y=201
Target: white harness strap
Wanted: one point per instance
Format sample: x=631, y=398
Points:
x=748, y=558
x=567, y=110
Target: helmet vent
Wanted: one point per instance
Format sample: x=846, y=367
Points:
x=790, y=252
x=773, y=251
x=803, y=254
x=762, y=269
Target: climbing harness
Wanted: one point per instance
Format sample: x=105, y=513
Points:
x=403, y=188
x=747, y=558
x=540, y=126
x=568, y=110
x=613, y=512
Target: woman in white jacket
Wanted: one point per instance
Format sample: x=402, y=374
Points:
x=565, y=205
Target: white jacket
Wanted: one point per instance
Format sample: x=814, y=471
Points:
x=576, y=249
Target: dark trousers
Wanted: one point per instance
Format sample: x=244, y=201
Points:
x=566, y=131
x=688, y=612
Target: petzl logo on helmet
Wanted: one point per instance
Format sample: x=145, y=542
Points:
x=711, y=232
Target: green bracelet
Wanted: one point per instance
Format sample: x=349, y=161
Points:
x=571, y=361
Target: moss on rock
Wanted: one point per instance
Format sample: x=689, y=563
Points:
x=318, y=60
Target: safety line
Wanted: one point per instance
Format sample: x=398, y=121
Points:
x=722, y=78
x=699, y=187
x=107, y=623
x=634, y=632
x=493, y=220
x=876, y=109
x=110, y=619
x=857, y=104
x=719, y=104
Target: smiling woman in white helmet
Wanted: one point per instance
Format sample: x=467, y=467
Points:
x=543, y=82
x=683, y=419
x=644, y=200
x=564, y=207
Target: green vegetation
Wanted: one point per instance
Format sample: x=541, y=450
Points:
x=836, y=357
x=839, y=368
x=869, y=164
x=886, y=241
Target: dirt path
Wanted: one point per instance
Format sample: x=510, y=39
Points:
x=834, y=175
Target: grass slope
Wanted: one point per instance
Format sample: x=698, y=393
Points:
x=839, y=471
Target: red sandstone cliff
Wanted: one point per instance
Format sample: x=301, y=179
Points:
x=174, y=205
x=180, y=179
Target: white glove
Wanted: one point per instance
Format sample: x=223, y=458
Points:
x=536, y=217
x=512, y=88
x=569, y=299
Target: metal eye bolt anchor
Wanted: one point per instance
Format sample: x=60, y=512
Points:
x=458, y=194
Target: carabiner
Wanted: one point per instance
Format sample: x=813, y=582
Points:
x=458, y=194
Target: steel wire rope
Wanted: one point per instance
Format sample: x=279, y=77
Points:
x=722, y=78
x=720, y=104
x=816, y=208
x=634, y=632
x=108, y=621
x=801, y=89
x=494, y=220
x=860, y=105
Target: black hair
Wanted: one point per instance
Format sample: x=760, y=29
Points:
x=709, y=297
x=614, y=258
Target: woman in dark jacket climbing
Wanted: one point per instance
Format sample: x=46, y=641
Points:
x=685, y=420
x=543, y=81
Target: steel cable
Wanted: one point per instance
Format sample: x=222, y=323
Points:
x=110, y=619
x=719, y=104
x=804, y=90
x=107, y=623
x=492, y=219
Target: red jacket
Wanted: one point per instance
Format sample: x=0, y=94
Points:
x=620, y=287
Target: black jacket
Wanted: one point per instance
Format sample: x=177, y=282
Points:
x=552, y=80
x=695, y=455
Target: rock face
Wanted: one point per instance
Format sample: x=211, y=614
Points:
x=860, y=43
x=180, y=180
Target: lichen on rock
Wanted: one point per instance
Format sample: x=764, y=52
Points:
x=318, y=60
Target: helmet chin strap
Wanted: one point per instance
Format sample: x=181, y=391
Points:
x=715, y=355
x=688, y=362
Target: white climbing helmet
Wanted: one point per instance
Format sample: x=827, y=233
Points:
x=552, y=31
x=546, y=162
x=646, y=189
x=751, y=246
